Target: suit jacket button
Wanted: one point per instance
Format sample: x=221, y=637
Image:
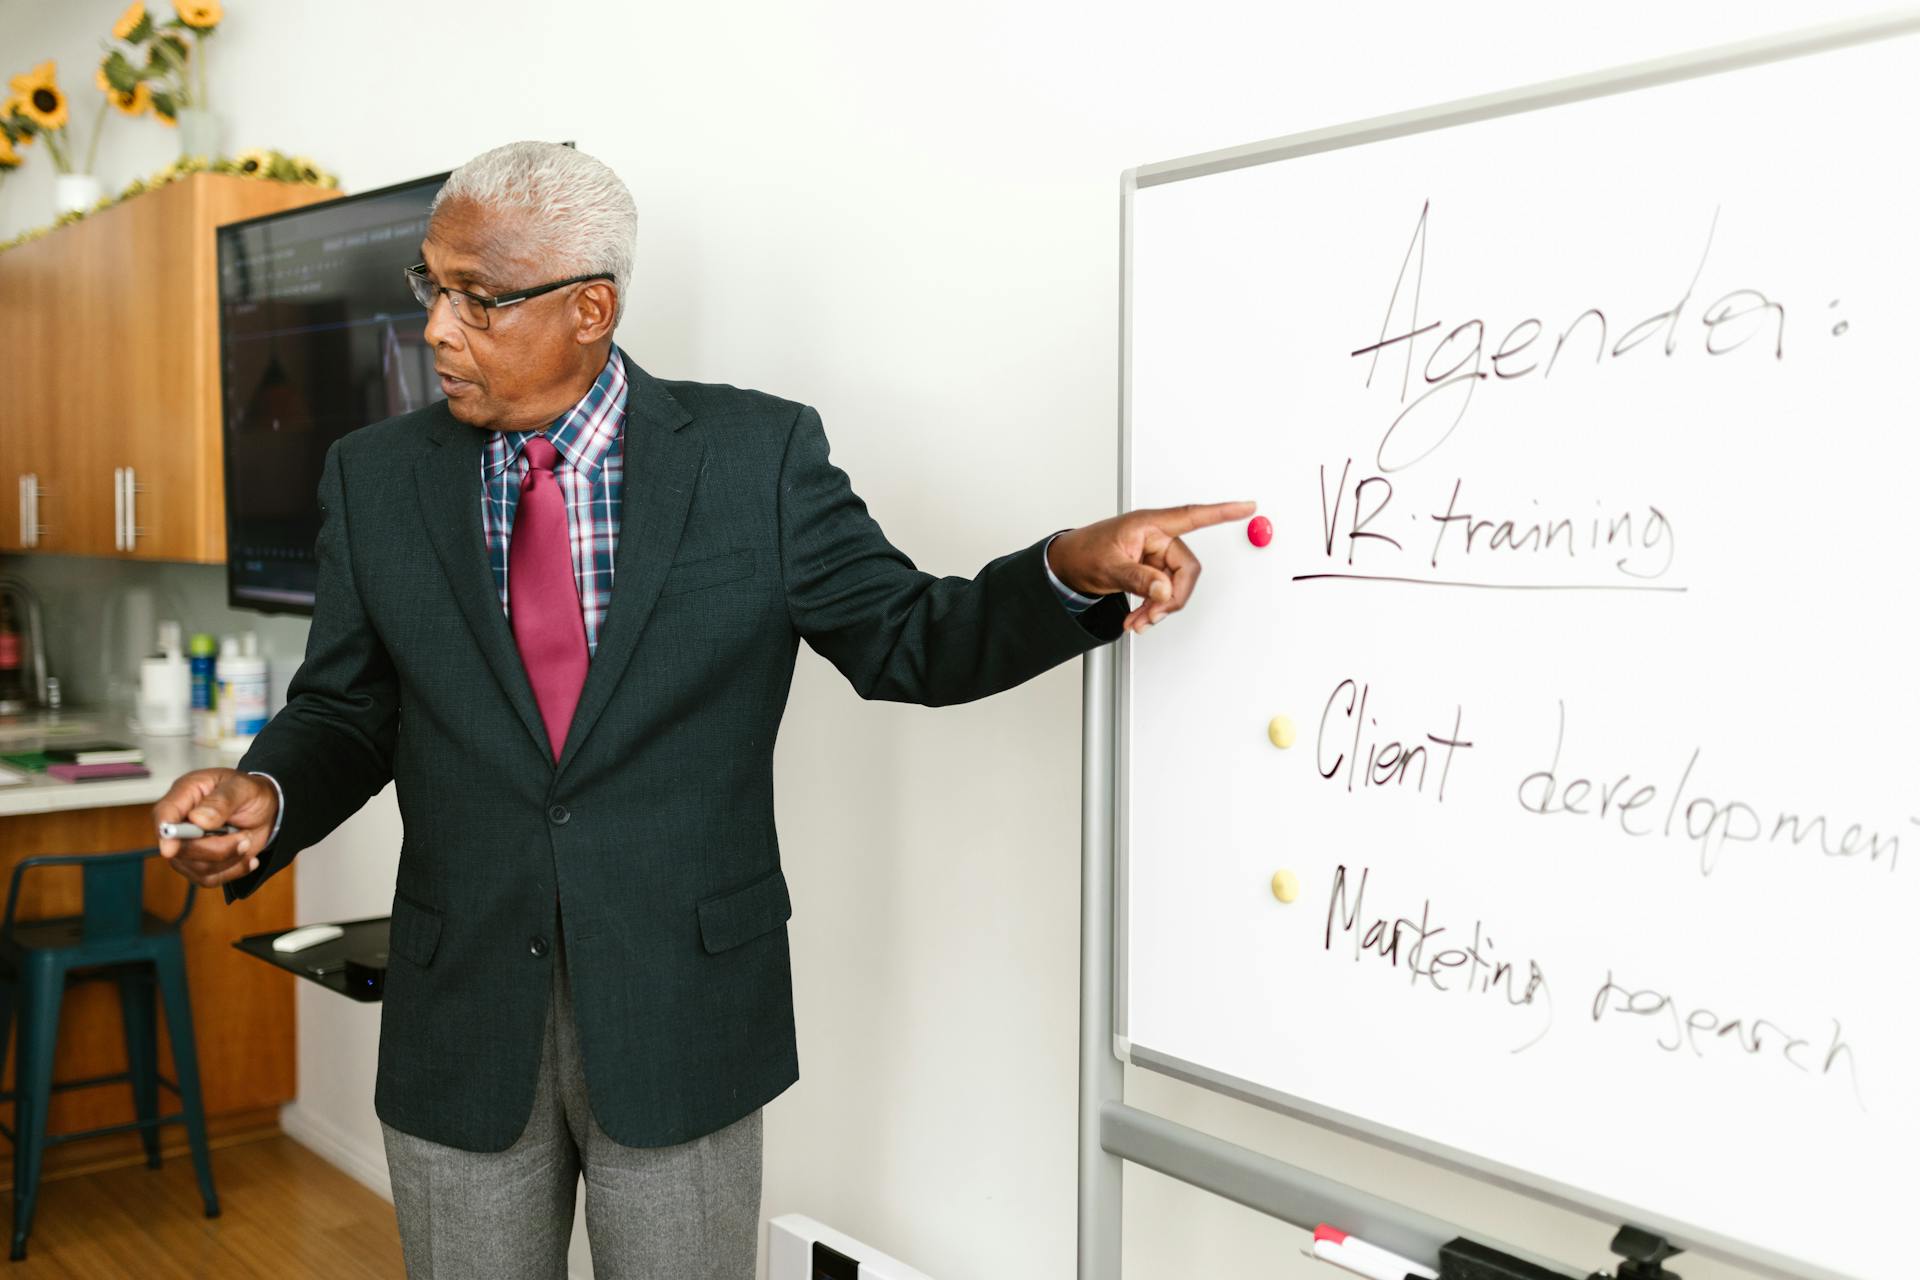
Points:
x=558, y=815
x=536, y=946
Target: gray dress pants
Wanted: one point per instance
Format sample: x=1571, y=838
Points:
x=690, y=1211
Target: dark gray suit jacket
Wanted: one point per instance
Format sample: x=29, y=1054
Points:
x=653, y=835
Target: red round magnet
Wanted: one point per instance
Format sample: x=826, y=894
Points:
x=1260, y=531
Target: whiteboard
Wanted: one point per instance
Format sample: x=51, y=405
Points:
x=1600, y=650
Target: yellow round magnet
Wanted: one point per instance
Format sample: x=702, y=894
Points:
x=1280, y=732
x=1286, y=885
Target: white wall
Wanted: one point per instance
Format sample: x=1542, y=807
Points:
x=907, y=216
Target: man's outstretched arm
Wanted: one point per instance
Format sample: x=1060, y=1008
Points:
x=903, y=635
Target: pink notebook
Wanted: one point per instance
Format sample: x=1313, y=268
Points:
x=87, y=772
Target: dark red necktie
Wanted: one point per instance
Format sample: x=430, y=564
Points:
x=543, y=601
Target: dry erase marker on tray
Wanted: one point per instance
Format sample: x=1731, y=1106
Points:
x=1330, y=1244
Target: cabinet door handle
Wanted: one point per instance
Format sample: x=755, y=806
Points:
x=119, y=512
x=33, y=491
x=133, y=508
x=25, y=541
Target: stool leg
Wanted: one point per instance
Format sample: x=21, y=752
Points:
x=9, y=997
x=171, y=968
x=143, y=1052
x=43, y=984
x=6, y=1016
x=22, y=1097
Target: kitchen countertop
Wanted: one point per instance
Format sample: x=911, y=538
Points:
x=167, y=758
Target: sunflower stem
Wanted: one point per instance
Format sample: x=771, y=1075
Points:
x=183, y=87
x=93, y=146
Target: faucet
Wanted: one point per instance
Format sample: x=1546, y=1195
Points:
x=26, y=611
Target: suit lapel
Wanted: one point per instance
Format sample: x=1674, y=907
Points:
x=448, y=478
x=660, y=463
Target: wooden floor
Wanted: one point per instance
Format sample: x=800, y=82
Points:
x=285, y=1212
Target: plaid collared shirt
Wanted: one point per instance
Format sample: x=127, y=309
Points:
x=588, y=438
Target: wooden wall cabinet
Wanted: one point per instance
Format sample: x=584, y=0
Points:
x=110, y=419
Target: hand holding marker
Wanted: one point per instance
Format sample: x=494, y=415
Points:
x=245, y=805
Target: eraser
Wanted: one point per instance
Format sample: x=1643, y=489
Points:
x=1464, y=1259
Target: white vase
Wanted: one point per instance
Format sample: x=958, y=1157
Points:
x=75, y=192
x=199, y=133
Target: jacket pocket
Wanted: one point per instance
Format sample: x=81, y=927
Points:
x=736, y=917
x=413, y=931
x=695, y=575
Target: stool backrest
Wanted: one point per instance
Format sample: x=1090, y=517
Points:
x=110, y=894
x=111, y=888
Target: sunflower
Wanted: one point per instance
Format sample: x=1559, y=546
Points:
x=38, y=99
x=46, y=107
x=254, y=164
x=9, y=158
x=134, y=102
x=25, y=82
x=134, y=23
x=165, y=109
x=201, y=15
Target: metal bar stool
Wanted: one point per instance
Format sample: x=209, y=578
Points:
x=113, y=939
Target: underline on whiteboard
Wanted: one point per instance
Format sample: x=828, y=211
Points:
x=1486, y=586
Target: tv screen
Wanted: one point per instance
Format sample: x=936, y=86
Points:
x=319, y=335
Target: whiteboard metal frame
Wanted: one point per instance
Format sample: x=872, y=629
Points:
x=1112, y=1132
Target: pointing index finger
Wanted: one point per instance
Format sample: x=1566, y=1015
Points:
x=1199, y=515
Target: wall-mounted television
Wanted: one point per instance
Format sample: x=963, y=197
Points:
x=319, y=335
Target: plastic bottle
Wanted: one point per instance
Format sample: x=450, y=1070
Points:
x=13, y=684
x=223, y=684
x=165, y=683
x=200, y=651
x=246, y=684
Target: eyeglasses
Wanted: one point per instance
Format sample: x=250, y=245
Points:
x=473, y=310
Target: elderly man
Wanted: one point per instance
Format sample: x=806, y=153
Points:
x=560, y=610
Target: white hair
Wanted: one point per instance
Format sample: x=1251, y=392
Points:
x=580, y=211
